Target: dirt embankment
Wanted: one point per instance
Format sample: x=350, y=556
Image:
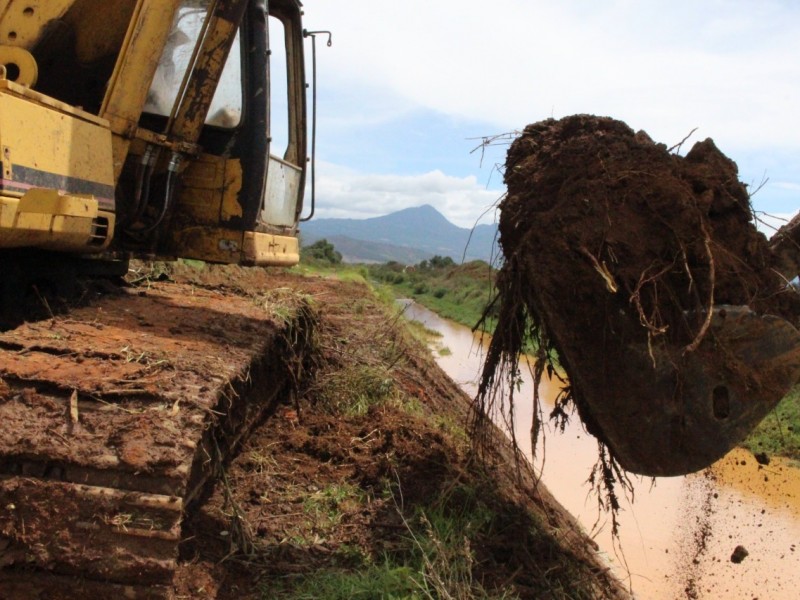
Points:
x=365, y=484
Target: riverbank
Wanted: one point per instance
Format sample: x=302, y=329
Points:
x=677, y=534
x=364, y=485
x=460, y=293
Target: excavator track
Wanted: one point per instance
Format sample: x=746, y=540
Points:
x=116, y=418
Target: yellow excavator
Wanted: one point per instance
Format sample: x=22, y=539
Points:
x=137, y=128
x=153, y=128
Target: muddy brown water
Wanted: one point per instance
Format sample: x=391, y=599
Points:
x=677, y=534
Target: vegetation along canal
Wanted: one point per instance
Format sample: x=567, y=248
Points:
x=678, y=536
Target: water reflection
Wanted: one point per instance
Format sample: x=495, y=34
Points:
x=678, y=533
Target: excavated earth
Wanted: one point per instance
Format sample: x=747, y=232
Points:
x=114, y=418
x=626, y=258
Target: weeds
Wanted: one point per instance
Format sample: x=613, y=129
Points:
x=779, y=433
x=282, y=303
x=145, y=273
x=143, y=358
x=352, y=390
x=455, y=535
x=326, y=507
x=386, y=581
x=436, y=560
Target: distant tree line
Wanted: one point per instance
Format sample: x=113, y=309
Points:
x=322, y=251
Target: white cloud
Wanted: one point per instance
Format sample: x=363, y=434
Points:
x=345, y=193
x=725, y=67
x=787, y=185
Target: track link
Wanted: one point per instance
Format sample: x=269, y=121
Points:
x=115, y=418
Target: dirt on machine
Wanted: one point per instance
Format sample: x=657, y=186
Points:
x=640, y=273
x=118, y=418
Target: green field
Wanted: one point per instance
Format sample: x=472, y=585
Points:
x=460, y=293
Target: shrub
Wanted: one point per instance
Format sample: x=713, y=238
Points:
x=324, y=251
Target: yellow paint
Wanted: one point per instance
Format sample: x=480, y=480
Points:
x=200, y=206
x=230, y=192
x=188, y=125
x=28, y=69
x=22, y=22
x=207, y=172
x=209, y=193
x=266, y=250
x=57, y=141
x=45, y=219
x=217, y=244
x=212, y=244
x=50, y=202
x=130, y=82
x=200, y=195
x=19, y=91
x=43, y=138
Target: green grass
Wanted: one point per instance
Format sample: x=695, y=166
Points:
x=436, y=562
x=385, y=582
x=327, y=506
x=460, y=293
x=421, y=332
x=352, y=390
x=456, y=292
x=341, y=271
x=779, y=433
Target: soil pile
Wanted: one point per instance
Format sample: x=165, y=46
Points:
x=640, y=268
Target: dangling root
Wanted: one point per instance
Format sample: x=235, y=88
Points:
x=711, y=284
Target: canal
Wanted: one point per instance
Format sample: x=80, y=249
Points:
x=677, y=534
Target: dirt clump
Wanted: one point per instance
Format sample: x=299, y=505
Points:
x=739, y=554
x=642, y=271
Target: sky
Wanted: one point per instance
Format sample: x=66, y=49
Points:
x=408, y=90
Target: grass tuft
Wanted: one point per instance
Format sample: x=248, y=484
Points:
x=352, y=390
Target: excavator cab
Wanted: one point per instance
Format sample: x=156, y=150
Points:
x=156, y=128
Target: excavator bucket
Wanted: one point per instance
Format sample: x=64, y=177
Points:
x=694, y=406
x=643, y=272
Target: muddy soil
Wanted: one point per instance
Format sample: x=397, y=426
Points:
x=112, y=424
x=627, y=259
x=337, y=481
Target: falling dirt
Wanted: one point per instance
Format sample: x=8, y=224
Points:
x=629, y=261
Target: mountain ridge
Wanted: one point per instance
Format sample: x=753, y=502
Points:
x=409, y=235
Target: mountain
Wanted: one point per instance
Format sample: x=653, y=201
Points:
x=407, y=236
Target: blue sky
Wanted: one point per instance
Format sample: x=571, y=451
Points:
x=408, y=86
